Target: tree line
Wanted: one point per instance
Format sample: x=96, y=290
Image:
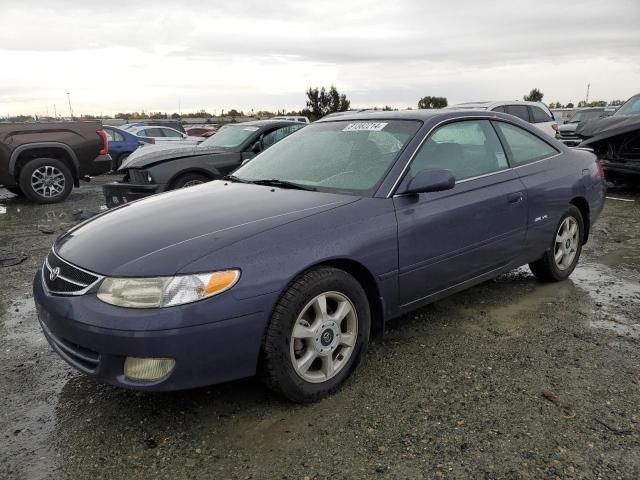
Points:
x=320, y=102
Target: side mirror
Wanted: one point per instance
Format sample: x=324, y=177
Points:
x=435, y=180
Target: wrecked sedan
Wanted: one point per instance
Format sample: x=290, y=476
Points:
x=158, y=168
x=288, y=266
x=616, y=141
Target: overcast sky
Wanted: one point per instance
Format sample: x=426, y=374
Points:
x=124, y=55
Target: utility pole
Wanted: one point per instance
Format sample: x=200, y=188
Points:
x=70, y=109
x=55, y=112
x=588, y=88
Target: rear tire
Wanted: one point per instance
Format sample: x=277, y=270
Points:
x=318, y=331
x=560, y=260
x=46, y=180
x=189, y=180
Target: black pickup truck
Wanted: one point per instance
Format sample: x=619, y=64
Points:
x=44, y=160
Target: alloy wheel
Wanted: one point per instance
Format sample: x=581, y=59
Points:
x=323, y=337
x=47, y=181
x=566, y=243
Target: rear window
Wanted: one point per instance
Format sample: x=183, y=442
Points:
x=539, y=116
x=520, y=111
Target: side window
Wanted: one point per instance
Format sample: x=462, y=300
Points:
x=277, y=135
x=498, y=109
x=152, y=132
x=538, y=115
x=171, y=133
x=110, y=134
x=117, y=137
x=520, y=111
x=525, y=147
x=469, y=149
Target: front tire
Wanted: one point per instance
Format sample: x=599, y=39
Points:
x=317, y=334
x=560, y=260
x=189, y=180
x=46, y=180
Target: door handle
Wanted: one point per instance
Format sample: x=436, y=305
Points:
x=516, y=197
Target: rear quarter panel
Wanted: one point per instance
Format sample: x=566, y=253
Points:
x=551, y=185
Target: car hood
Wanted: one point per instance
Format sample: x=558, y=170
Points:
x=161, y=234
x=568, y=127
x=608, y=126
x=151, y=154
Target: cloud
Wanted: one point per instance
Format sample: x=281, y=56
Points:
x=266, y=53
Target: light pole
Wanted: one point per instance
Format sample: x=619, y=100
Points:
x=70, y=109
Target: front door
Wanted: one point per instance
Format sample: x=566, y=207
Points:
x=446, y=238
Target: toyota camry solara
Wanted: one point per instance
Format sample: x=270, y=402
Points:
x=288, y=266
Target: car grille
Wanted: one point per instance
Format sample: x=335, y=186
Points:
x=568, y=135
x=60, y=277
x=80, y=357
x=138, y=176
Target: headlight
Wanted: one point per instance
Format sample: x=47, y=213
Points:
x=159, y=292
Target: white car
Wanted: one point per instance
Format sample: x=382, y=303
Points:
x=164, y=135
x=536, y=113
x=293, y=119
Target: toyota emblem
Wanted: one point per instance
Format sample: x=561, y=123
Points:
x=54, y=273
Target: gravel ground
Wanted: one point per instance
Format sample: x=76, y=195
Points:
x=511, y=379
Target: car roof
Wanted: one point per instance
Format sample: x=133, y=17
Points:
x=420, y=114
x=494, y=103
x=265, y=123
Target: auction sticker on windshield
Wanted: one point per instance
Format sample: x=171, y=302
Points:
x=365, y=127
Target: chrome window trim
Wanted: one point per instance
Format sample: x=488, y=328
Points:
x=396, y=184
x=99, y=278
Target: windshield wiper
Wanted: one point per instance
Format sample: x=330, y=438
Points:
x=274, y=182
x=233, y=178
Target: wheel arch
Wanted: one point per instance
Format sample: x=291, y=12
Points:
x=60, y=151
x=582, y=204
x=200, y=171
x=368, y=282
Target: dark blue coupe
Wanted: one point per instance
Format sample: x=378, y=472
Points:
x=288, y=266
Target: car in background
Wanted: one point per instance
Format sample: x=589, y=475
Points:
x=164, y=135
x=567, y=130
x=536, y=113
x=616, y=141
x=44, y=160
x=153, y=170
x=288, y=266
x=175, y=124
x=122, y=144
x=201, y=131
x=300, y=119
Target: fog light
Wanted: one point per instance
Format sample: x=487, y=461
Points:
x=148, y=368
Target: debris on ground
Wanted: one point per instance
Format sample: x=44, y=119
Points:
x=11, y=261
x=48, y=229
x=566, y=408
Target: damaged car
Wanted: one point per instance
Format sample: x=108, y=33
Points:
x=159, y=168
x=288, y=266
x=616, y=140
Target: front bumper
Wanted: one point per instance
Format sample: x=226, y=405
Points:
x=205, y=354
x=117, y=193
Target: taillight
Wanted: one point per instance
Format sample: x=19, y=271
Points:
x=600, y=169
x=153, y=140
x=555, y=126
x=105, y=142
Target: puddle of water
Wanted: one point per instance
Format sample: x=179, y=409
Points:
x=614, y=298
x=20, y=324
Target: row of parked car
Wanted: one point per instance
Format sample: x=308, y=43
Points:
x=44, y=161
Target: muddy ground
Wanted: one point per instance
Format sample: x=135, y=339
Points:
x=511, y=379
